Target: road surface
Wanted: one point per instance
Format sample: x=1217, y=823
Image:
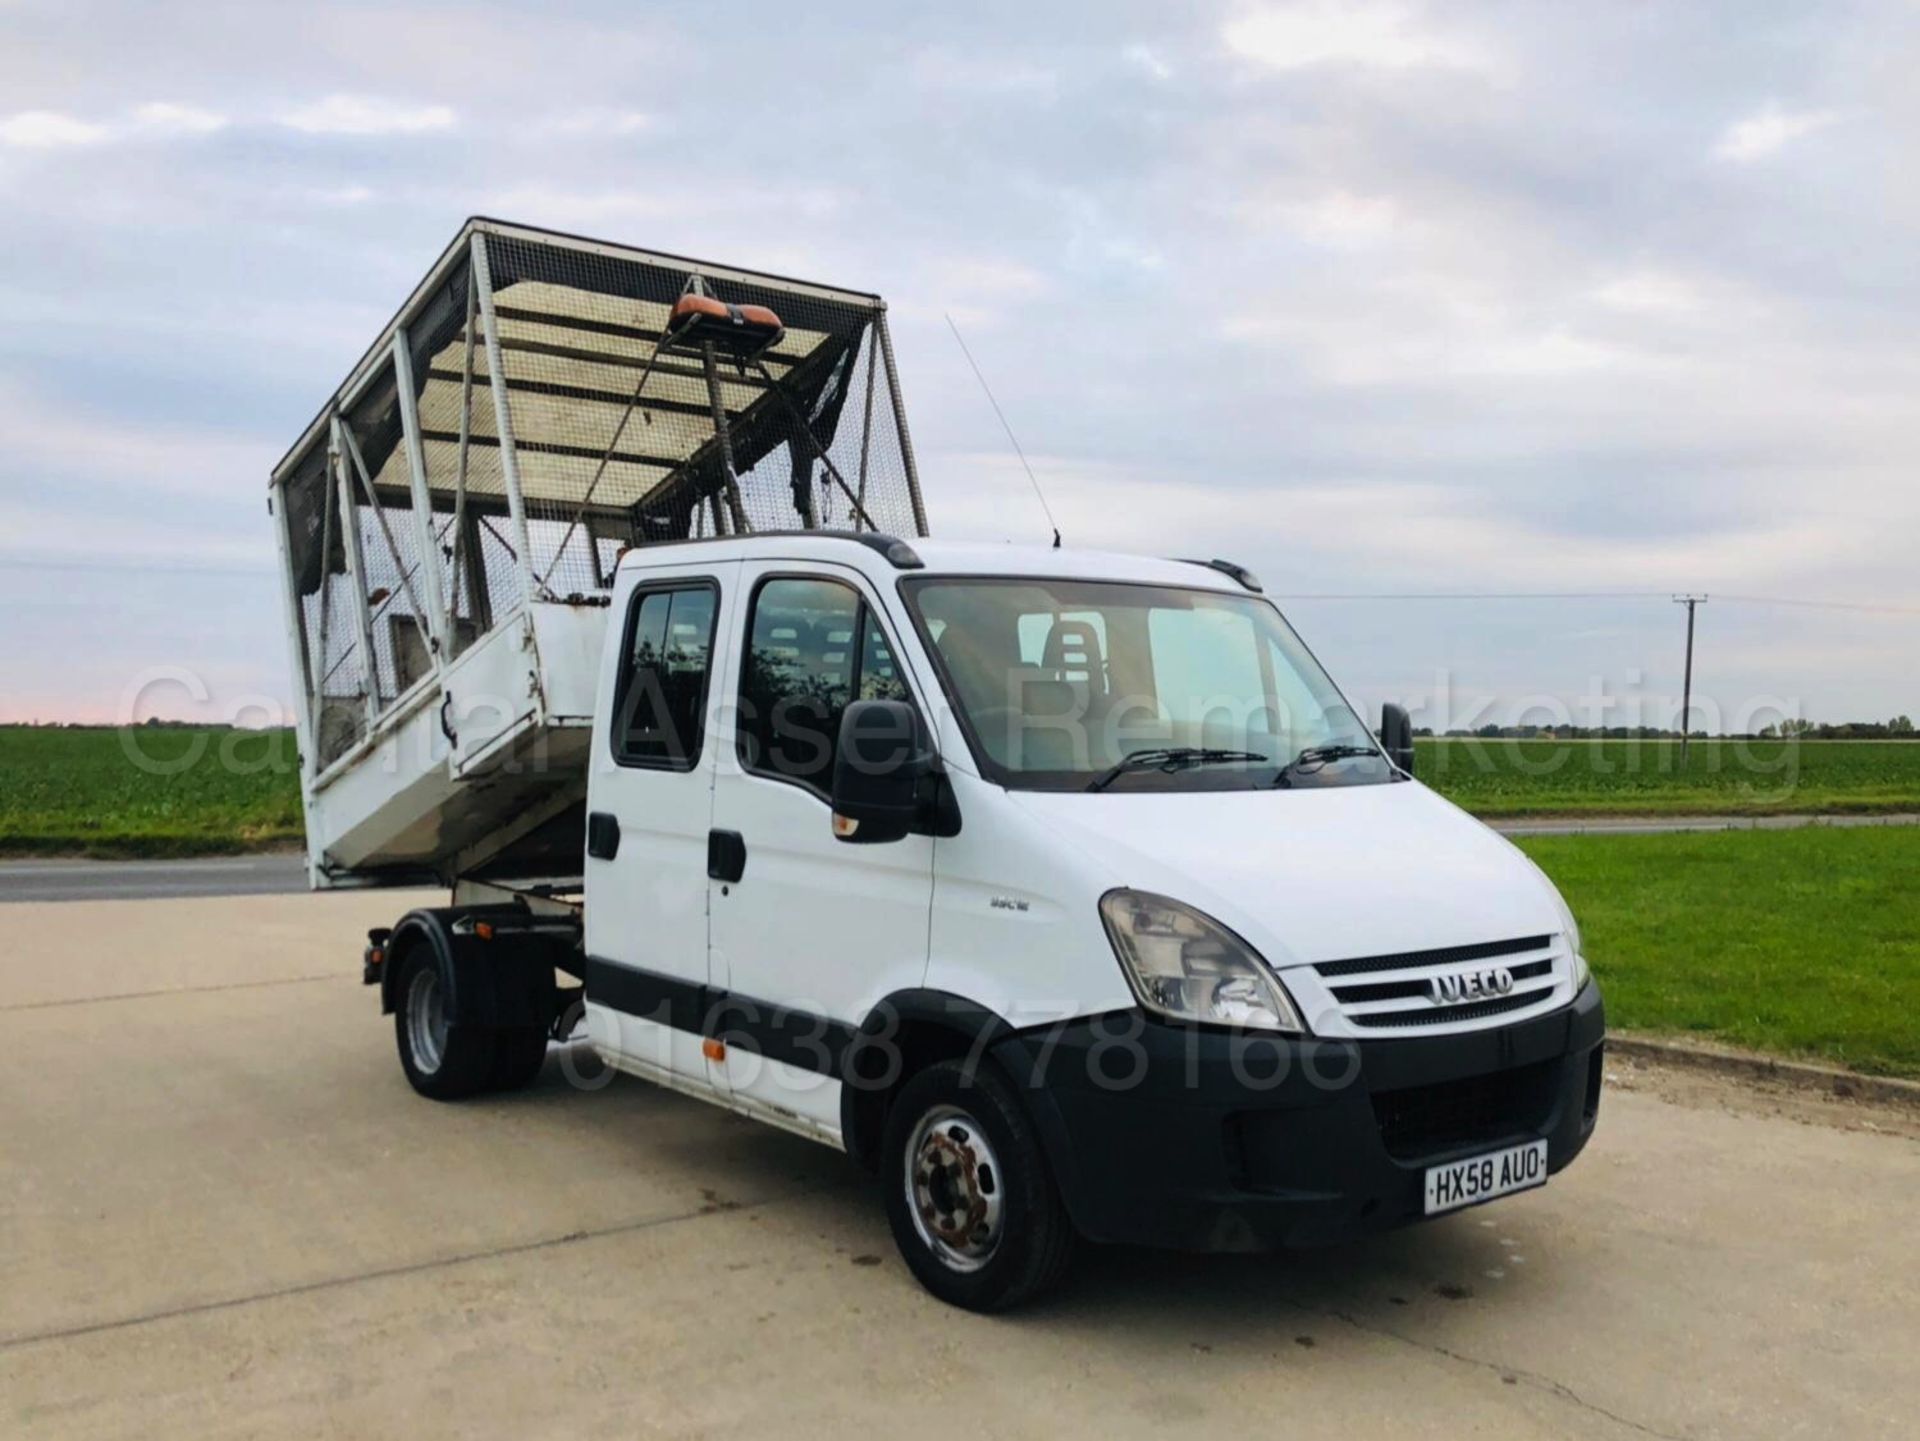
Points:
x=76, y=880
x=72, y=880
x=1666, y=825
x=223, y=1214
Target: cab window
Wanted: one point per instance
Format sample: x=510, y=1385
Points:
x=660, y=711
x=813, y=646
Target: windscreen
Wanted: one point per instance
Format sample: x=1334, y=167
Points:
x=1069, y=684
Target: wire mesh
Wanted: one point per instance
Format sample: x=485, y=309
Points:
x=331, y=656
x=613, y=422
x=613, y=438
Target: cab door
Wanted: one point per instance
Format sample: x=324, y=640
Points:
x=650, y=808
x=807, y=931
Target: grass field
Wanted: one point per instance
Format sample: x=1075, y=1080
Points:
x=146, y=792
x=1803, y=942
x=182, y=791
x=1542, y=778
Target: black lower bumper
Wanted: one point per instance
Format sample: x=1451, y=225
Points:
x=1174, y=1136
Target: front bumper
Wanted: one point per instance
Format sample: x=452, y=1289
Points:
x=1178, y=1136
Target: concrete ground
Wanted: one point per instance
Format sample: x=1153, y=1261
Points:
x=222, y=1213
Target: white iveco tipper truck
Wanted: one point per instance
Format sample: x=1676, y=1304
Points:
x=1063, y=890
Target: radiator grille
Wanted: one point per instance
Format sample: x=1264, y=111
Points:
x=1486, y=950
x=1444, y=987
x=1440, y=1015
x=1418, y=988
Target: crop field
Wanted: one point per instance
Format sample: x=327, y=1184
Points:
x=1645, y=778
x=177, y=790
x=1803, y=942
x=147, y=791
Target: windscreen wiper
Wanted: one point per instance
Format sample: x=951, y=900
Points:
x=1170, y=759
x=1316, y=756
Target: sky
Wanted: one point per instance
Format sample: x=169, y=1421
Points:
x=1374, y=298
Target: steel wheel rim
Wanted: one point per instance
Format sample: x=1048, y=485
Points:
x=955, y=1189
x=426, y=1020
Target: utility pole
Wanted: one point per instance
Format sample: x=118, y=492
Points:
x=1691, y=602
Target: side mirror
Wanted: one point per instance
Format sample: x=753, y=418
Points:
x=1396, y=735
x=883, y=756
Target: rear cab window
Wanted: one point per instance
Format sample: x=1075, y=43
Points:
x=665, y=668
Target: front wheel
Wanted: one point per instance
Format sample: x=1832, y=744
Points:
x=971, y=1201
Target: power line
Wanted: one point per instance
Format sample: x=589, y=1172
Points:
x=21, y=563
x=1820, y=604
x=1480, y=595
x=1723, y=596
x=130, y=566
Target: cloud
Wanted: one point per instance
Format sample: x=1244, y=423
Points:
x=1147, y=60
x=1769, y=130
x=1327, y=32
x=51, y=129
x=368, y=115
x=1342, y=219
x=1248, y=277
x=978, y=293
x=1343, y=353
x=722, y=208
x=47, y=437
x=1003, y=74
x=163, y=117
x=974, y=276
x=1425, y=534
x=598, y=122
x=48, y=130
x=338, y=194
x=1649, y=292
x=52, y=536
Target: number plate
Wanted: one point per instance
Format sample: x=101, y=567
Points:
x=1481, y=1178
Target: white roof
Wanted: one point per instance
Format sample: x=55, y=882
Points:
x=939, y=557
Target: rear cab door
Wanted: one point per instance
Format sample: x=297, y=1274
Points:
x=656, y=748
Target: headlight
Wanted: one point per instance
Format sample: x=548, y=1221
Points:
x=1572, y=929
x=1188, y=967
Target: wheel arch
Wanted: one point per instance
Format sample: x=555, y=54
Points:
x=920, y=1027
x=505, y=981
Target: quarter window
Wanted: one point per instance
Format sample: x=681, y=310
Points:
x=813, y=646
x=660, y=715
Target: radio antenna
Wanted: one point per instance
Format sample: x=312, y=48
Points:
x=1013, y=439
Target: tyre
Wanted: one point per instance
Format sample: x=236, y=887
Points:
x=443, y=1059
x=970, y=1198
x=519, y=1053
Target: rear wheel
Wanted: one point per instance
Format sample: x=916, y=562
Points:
x=970, y=1199
x=519, y=1053
x=443, y=1059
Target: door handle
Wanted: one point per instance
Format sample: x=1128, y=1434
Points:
x=726, y=855
x=603, y=836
